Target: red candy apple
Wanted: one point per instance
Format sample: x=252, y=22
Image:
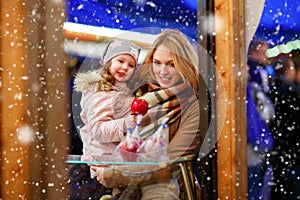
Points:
x=155, y=144
x=128, y=148
x=139, y=106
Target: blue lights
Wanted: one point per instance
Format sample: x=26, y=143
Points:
x=128, y=15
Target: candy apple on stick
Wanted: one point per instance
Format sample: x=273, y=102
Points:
x=128, y=147
x=139, y=107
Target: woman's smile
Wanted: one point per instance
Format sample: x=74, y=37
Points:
x=164, y=69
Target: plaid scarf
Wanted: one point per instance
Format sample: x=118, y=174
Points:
x=170, y=103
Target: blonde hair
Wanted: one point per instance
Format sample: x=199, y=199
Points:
x=184, y=57
x=106, y=81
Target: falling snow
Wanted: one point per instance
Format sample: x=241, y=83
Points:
x=40, y=81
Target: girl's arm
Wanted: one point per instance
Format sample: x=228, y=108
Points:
x=100, y=117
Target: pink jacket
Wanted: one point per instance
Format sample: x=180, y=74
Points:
x=103, y=114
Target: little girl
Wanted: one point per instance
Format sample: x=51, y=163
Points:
x=106, y=99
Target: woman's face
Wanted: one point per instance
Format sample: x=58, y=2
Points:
x=122, y=67
x=163, y=68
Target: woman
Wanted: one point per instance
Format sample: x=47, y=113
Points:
x=171, y=89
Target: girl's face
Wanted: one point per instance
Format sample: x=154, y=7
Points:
x=163, y=68
x=122, y=67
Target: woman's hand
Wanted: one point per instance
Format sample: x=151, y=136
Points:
x=99, y=172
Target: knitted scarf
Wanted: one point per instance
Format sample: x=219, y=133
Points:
x=165, y=103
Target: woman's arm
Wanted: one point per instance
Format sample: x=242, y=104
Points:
x=123, y=175
x=187, y=139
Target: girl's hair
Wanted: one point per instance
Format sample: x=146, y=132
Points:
x=106, y=81
x=184, y=57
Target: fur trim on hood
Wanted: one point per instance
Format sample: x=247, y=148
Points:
x=86, y=81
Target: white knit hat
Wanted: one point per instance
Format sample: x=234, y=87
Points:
x=116, y=47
